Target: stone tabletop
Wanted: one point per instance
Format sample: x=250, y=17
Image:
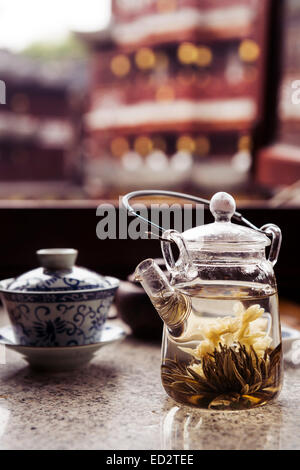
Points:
x=117, y=403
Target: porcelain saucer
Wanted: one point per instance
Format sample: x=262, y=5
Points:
x=61, y=358
x=289, y=336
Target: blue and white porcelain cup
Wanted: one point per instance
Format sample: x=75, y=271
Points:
x=58, y=304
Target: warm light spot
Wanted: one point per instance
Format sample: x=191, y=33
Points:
x=249, y=50
x=164, y=93
x=145, y=58
x=166, y=5
x=185, y=142
x=204, y=57
x=245, y=142
x=143, y=145
x=120, y=65
x=187, y=53
x=119, y=146
x=202, y=145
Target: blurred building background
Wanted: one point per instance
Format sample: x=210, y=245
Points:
x=41, y=127
x=189, y=95
x=278, y=164
x=177, y=94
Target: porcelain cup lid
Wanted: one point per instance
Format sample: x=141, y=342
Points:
x=58, y=273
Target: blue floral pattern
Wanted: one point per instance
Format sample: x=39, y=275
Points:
x=48, y=281
x=59, y=324
x=64, y=307
x=57, y=297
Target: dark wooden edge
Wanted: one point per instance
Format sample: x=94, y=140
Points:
x=25, y=230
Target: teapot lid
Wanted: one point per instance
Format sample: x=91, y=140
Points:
x=58, y=273
x=222, y=233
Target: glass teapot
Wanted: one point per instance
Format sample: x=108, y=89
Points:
x=222, y=339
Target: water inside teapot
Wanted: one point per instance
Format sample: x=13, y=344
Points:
x=229, y=355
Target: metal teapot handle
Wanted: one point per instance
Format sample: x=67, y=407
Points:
x=184, y=264
x=150, y=192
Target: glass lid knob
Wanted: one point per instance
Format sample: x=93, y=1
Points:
x=222, y=206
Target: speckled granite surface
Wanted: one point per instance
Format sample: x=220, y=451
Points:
x=117, y=402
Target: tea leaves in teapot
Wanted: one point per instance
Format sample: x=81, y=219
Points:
x=228, y=378
x=232, y=366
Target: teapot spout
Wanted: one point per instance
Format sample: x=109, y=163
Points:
x=172, y=306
